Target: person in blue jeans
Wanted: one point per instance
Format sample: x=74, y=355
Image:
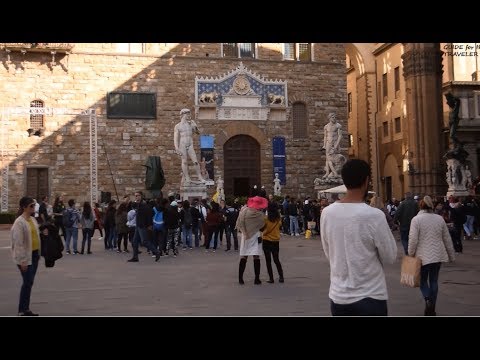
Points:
x=25, y=237
x=430, y=241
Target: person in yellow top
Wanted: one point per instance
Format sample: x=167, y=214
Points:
x=271, y=240
x=25, y=238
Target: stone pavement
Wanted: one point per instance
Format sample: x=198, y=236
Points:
x=205, y=284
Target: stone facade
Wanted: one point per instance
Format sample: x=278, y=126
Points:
x=82, y=78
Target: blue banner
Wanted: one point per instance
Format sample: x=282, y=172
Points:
x=279, y=158
x=206, y=141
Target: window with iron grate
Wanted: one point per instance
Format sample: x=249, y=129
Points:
x=238, y=50
x=36, y=120
x=297, y=51
x=299, y=111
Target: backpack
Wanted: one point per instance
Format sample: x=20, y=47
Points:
x=187, y=218
x=68, y=218
x=157, y=220
x=231, y=215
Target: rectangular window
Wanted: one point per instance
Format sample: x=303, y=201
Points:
x=398, y=125
x=297, y=51
x=397, y=81
x=247, y=50
x=350, y=140
x=134, y=48
x=239, y=50
x=131, y=105
x=304, y=52
x=230, y=50
x=385, y=129
x=349, y=102
x=385, y=87
x=289, y=51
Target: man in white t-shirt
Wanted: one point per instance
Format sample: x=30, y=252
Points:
x=357, y=242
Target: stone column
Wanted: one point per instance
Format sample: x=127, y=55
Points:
x=422, y=69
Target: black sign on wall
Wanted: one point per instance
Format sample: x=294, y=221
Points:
x=134, y=105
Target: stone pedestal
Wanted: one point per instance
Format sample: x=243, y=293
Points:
x=456, y=178
x=193, y=190
x=321, y=184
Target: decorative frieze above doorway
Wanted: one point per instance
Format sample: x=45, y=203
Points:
x=240, y=95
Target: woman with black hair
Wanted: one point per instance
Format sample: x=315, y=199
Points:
x=271, y=240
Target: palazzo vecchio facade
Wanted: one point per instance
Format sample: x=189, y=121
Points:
x=83, y=118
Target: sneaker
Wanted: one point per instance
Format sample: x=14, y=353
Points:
x=67, y=252
x=190, y=248
x=132, y=260
x=27, y=313
x=100, y=238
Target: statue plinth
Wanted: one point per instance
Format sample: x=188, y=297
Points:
x=321, y=184
x=456, y=178
x=193, y=189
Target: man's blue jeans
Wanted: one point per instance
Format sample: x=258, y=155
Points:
x=404, y=237
x=364, y=307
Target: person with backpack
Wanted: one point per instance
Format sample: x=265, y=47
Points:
x=196, y=220
x=159, y=224
x=71, y=217
x=186, y=220
x=172, y=223
x=88, y=222
x=144, y=222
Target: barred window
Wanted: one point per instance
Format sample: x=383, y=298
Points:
x=398, y=125
x=36, y=120
x=297, y=51
x=238, y=50
x=299, y=117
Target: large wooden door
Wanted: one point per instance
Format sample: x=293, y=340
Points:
x=37, y=183
x=241, y=165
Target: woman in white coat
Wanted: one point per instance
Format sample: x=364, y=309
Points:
x=429, y=240
x=250, y=223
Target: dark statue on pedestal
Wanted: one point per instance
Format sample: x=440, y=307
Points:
x=456, y=158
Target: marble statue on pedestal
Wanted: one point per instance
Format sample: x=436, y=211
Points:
x=183, y=141
x=277, y=187
x=334, y=160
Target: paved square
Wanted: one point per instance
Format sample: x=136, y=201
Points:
x=205, y=284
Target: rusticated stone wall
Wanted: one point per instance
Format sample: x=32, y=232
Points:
x=82, y=79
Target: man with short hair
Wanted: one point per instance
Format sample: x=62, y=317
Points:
x=143, y=229
x=407, y=210
x=357, y=242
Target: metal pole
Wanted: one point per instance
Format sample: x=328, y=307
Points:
x=93, y=157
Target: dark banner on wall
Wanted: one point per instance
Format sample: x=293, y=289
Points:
x=279, y=158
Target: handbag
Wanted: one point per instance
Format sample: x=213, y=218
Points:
x=410, y=271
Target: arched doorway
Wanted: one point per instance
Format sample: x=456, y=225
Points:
x=241, y=165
